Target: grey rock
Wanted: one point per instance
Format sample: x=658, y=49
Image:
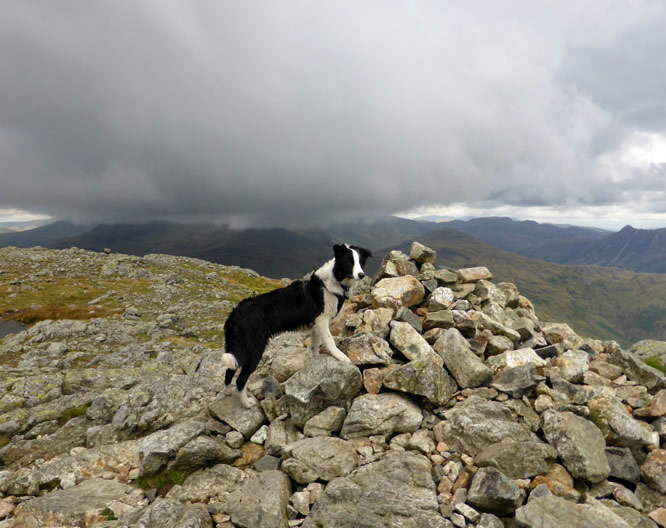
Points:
x=467, y=369
x=476, y=423
x=440, y=319
x=375, y=321
x=518, y=381
x=203, y=451
x=325, y=423
x=261, y=501
x=323, y=382
x=618, y=426
x=407, y=316
x=367, y=349
x=165, y=513
x=327, y=458
x=474, y=274
x=205, y=484
x=518, y=460
x=440, y=299
x=622, y=464
x=632, y=517
x=395, y=293
x=579, y=443
x=280, y=433
x=653, y=470
x=422, y=378
x=492, y=491
x=637, y=370
x=559, y=333
x=648, y=348
x=158, y=448
x=422, y=254
x=368, y=497
x=76, y=505
x=572, y=365
x=549, y=511
x=229, y=410
x=381, y=414
x=411, y=344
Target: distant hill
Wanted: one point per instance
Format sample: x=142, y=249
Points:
x=630, y=249
x=272, y=252
x=522, y=236
x=596, y=301
x=41, y=236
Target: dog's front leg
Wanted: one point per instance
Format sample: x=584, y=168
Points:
x=315, y=339
x=321, y=326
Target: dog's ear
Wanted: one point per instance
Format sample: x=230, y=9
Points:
x=338, y=250
x=364, y=253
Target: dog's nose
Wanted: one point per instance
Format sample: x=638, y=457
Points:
x=361, y=275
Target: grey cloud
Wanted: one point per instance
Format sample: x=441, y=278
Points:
x=272, y=113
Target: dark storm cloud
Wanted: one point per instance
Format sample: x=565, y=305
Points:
x=272, y=112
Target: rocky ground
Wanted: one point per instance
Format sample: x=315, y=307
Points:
x=460, y=407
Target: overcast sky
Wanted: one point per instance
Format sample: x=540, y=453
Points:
x=283, y=113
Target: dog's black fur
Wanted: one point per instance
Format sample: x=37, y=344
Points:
x=256, y=319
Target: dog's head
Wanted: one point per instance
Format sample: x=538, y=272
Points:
x=349, y=262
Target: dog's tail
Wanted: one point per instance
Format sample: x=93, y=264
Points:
x=231, y=364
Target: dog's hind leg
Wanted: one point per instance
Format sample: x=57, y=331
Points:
x=315, y=340
x=231, y=365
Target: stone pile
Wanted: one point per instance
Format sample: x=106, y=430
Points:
x=460, y=408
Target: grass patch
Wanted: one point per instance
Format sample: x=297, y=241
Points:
x=657, y=363
x=162, y=481
x=55, y=312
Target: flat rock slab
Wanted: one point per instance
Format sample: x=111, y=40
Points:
x=323, y=458
x=159, y=447
x=550, y=511
x=261, y=502
x=463, y=364
x=476, y=423
x=323, y=381
x=579, y=443
x=75, y=506
x=229, y=410
x=422, y=378
x=396, y=491
x=518, y=460
x=165, y=513
x=381, y=414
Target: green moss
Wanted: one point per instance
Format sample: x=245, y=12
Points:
x=162, y=481
x=108, y=514
x=73, y=413
x=656, y=362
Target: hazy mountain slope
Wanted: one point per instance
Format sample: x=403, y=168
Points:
x=522, y=237
x=41, y=236
x=631, y=249
x=594, y=300
x=272, y=252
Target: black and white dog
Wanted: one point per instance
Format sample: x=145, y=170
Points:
x=310, y=303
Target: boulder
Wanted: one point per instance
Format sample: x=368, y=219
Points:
x=637, y=370
x=549, y=511
x=653, y=470
x=165, y=513
x=411, y=344
x=518, y=460
x=381, y=414
x=517, y=381
x=618, y=426
x=230, y=410
x=579, y=443
x=261, y=501
x=158, y=448
x=78, y=505
x=422, y=378
x=325, y=423
x=493, y=492
x=367, y=349
x=397, y=292
x=396, y=491
x=476, y=423
x=474, y=274
x=321, y=458
x=324, y=381
x=465, y=366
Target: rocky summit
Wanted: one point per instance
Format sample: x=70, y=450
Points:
x=461, y=408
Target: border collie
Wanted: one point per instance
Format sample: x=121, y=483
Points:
x=309, y=303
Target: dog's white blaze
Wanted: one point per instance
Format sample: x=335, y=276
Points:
x=358, y=270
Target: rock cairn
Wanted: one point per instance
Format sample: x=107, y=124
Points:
x=460, y=408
